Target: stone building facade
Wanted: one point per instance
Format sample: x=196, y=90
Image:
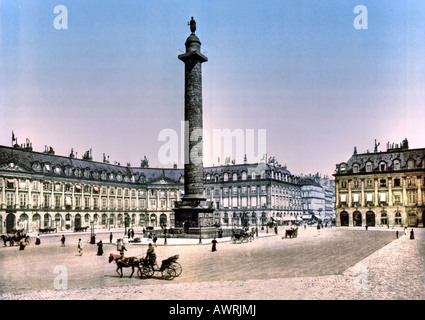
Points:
x=382, y=188
x=44, y=190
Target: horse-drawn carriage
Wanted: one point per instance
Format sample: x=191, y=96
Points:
x=291, y=233
x=241, y=235
x=81, y=229
x=169, y=268
x=14, y=236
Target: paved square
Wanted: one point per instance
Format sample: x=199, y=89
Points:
x=336, y=263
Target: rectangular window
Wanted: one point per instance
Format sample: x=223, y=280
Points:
x=57, y=202
x=397, y=198
x=10, y=199
x=46, y=201
x=23, y=200
x=35, y=200
x=142, y=203
x=77, y=202
x=397, y=182
x=383, y=183
x=87, y=202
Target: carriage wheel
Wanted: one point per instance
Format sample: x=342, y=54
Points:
x=234, y=239
x=177, y=267
x=146, y=272
x=169, y=273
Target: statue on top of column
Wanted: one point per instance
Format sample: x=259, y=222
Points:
x=192, y=24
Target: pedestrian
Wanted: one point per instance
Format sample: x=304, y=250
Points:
x=22, y=244
x=405, y=229
x=151, y=255
x=412, y=235
x=63, y=241
x=110, y=237
x=275, y=229
x=214, y=245
x=37, y=240
x=154, y=239
x=121, y=247
x=396, y=234
x=80, y=247
x=132, y=233
x=256, y=231
x=99, y=248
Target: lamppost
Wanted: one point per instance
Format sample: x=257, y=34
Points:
x=92, y=236
x=165, y=233
x=200, y=227
x=125, y=223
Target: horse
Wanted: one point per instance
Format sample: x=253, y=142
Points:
x=9, y=238
x=123, y=262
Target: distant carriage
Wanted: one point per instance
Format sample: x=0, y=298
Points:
x=291, y=233
x=13, y=237
x=241, y=235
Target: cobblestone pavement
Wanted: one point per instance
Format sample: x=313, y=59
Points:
x=330, y=264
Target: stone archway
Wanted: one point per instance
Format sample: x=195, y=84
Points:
x=36, y=222
x=10, y=221
x=23, y=222
x=153, y=220
x=343, y=219
x=357, y=219
x=163, y=219
x=370, y=219
x=77, y=221
x=412, y=219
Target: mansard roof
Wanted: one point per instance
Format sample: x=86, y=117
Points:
x=45, y=163
x=388, y=157
x=35, y=163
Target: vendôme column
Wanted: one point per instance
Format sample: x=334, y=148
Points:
x=192, y=208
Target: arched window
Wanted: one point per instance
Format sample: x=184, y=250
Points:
x=384, y=218
x=396, y=164
x=226, y=177
x=369, y=166
x=397, y=219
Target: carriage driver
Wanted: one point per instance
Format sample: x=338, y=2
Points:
x=150, y=255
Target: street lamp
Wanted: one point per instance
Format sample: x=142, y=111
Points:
x=92, y=236
x=165, y=233
x=200, y=228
